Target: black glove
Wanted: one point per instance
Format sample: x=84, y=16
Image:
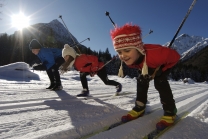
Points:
x=39, y=67
x=144, y=79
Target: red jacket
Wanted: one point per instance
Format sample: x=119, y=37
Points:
x=157, y=55
x=87, y=63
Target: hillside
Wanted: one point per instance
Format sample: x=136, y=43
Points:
x=199, y=60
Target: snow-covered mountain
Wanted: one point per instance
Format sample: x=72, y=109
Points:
x=187, y=45
x=60, y=32
x=54, y=30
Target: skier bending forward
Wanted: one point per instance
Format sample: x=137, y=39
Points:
x=154, y=62
x=87, y=65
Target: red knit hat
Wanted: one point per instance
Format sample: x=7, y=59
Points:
x=127, y=36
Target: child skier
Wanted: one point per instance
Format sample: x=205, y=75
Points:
x=51, y=59
x=154, y=62
x=87, y=65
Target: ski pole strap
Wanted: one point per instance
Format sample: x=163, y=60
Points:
x=153, y=75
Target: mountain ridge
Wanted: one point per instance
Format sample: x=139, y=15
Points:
x=187, y=45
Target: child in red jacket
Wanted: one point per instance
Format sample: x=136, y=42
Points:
x=87, y=65
x=154, y=62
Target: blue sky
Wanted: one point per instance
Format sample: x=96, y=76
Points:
x=87, y=19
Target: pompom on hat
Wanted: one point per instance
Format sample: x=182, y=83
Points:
x=129, y=36
x=68, y=51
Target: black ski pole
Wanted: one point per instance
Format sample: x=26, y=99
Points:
x=151, y=31
x=108, y=14
x=191, y=7
x=60, y=16
x=80, y=42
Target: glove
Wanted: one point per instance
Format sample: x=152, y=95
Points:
x=144, y=79
x=93, y=73
x=39, y=67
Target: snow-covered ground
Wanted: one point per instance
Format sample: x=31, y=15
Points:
x=29, y=111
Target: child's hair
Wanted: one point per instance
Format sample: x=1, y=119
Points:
x=67, y=65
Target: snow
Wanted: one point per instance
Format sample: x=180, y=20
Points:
x=29, y=111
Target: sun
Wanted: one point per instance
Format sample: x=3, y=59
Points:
x=20, y=21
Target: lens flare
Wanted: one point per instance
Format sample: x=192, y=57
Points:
x=20, y=21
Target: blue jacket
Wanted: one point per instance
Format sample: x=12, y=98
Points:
x=48, y=56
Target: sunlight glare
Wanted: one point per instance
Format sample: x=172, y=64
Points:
x=20, y=21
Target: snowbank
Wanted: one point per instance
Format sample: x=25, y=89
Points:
x=18, y=71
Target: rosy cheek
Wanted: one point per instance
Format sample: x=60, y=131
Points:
x=121, y=57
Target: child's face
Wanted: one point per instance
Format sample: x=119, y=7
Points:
x=129, y=56
x=66, y=58
x=35, y=51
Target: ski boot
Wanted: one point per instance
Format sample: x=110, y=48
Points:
x=118, y=89
x=51, y=86
x=57, y=87
x=136, y=112
x=166, y=120
x=84, y=93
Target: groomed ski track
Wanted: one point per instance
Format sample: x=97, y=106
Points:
x=39, y=113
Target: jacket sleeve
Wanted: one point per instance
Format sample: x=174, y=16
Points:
x=47, y=58
x=170, y=58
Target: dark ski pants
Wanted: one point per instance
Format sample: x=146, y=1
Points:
x=162, y=86
x=102, y=74
x=53, y=72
